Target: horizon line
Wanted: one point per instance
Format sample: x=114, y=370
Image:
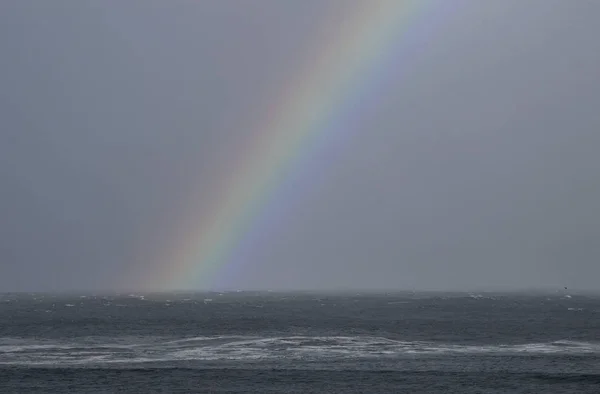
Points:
x=357, y=290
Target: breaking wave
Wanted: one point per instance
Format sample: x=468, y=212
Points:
x=96, y=351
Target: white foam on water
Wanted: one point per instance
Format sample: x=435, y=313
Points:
x=241, y=348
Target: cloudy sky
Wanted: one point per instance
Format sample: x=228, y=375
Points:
x=475, y=165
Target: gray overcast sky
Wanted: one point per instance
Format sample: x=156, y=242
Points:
x=479, y=166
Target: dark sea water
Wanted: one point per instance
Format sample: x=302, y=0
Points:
x=300, y=343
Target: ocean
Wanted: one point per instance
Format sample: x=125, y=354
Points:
x=267, y=342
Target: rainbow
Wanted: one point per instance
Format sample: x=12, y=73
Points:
x=348, y=60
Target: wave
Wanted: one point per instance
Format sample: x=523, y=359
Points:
x=90, y=351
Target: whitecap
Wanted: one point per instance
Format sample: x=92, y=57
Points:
x=98, y=350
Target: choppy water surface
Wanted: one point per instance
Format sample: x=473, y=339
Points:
x=272, y=342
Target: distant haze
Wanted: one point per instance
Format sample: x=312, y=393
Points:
x=479, y=167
